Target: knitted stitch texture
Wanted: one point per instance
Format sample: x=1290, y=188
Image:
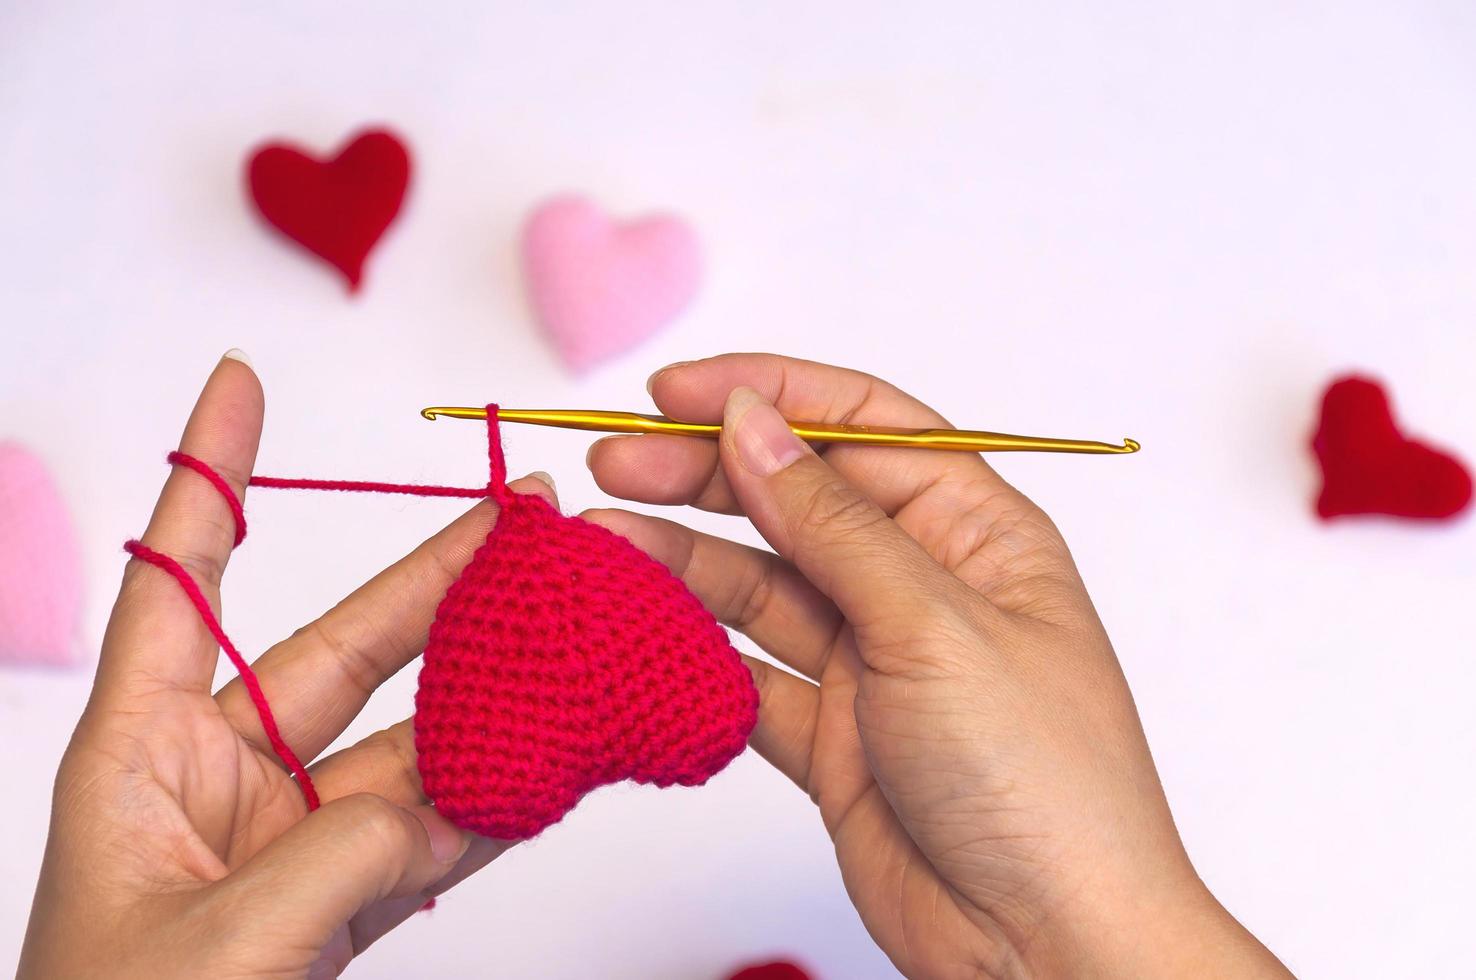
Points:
x=563, y=659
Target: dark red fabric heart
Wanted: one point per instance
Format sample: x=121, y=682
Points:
x=562, y=659
x=336, y=209
x=1369, y=467
x=778, y=970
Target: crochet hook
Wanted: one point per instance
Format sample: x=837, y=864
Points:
x=965, y=440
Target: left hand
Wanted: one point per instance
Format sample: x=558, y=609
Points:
x=179, y=844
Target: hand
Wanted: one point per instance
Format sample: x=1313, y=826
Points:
x=179, y=844
x=957, y=712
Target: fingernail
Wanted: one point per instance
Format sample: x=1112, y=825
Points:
x=545, y=479
x=236, y=354
x=446, y=841
x=651, y=381
x=762, y=438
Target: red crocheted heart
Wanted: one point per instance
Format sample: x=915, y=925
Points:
x=336, y=209
x=561, y=660
x=1369, y=467
x=778, y=970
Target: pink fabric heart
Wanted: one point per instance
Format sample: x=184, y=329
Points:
x=599, y=287
x=40, y=569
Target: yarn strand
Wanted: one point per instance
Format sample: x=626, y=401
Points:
x=248, y=676
x=496, y=487
x=364, y=486
x=177, y=458
x=496, y=463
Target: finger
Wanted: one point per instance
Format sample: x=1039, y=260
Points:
x=381, y=918
x=320, y=678
x=962, y=512
x=661, y=469
x=889, y=589
x=789, y=711
x=383, y=763
x=339, y=860
x=751, y=590
x=155, y=636
x=696, y=392
x=884, y=869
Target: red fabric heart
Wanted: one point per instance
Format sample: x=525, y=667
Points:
x=778, y=970
x=1369, y=467
x=563, y=659
x=339, y=209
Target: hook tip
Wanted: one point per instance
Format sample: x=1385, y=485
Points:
x=429, y=414
x=1131, y=445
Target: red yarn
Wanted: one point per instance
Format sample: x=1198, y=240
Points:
x=562, y=659
x=362, y=486
x=218, y=482
x=336, y=209
x=496, y=482
x=248, y=676
x=778, y=970
x=1369, y=467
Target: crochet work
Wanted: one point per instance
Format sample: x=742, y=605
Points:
x=563, y=659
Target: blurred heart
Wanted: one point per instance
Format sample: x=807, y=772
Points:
x=564, y=658
x=777, y=970
x=337, y=209
x=599, y=287
x=40, y=568
x=1370, y=467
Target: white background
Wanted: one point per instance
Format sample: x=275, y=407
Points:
x=1170, y=221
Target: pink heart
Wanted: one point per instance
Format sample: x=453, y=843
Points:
x=599, y=287
x=40, y=569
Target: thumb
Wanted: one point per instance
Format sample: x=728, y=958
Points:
x=357, y=850
x=883, y=581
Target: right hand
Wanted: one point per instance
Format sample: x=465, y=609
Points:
x=957, y=711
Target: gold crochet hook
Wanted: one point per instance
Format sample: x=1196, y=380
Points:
x=964, y=440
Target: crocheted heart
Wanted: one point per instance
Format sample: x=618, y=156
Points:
x=564, y=659
x=336, y=209
x=1370, y=467
x=777, y=970
x=40, y=568
x=598, y=287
